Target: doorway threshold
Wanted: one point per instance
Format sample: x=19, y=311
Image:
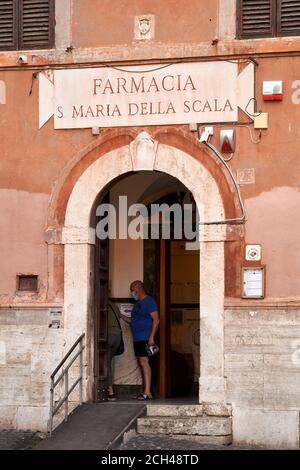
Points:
x=158, y=401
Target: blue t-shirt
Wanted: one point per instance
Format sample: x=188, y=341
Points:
x=141, y=320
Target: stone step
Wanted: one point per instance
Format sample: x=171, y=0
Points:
x=204, y=440
x=212, y=409
x=190, y=426
x=174, y=410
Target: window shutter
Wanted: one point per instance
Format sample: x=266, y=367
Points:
x=288, y=17
x=256, y=18
x=8, y=25
x=36, y=24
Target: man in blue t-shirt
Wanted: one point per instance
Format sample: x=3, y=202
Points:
x=144, y=324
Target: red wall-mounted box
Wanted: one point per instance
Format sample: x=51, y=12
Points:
x=273, y=90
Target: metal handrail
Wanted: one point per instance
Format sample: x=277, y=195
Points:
x=65, y=375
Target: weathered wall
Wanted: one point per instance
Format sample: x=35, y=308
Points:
x=274, y=224
x=30, y=351
x=104, y=17
x=23, y=216
x=262, y=365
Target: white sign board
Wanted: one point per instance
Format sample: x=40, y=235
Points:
x=126, y=309
x=203, y=92
x=253, y=282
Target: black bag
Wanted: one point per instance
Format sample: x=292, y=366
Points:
x=121, y=347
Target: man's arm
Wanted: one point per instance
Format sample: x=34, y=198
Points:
x=155, y=318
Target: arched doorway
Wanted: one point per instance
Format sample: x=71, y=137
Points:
x=170, y=272
x=79, y=241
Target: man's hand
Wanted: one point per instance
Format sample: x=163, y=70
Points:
x=155, y=324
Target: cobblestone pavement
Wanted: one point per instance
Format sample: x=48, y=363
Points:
x=170, y=443
x=19, y=440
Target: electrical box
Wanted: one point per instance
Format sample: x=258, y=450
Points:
x=273, y=90
x=261, y=121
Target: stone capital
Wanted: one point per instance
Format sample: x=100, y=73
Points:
x=78, y=235
x=53, y=236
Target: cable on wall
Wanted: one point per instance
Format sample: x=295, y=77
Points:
x=239, y=220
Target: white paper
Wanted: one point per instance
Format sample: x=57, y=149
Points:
x=126, y=309
x=253, y=283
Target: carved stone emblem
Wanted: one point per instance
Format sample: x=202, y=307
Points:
x=144, y=27
x=143, y=152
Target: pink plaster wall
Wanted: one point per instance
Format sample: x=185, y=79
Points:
x=274, y=223
x=22, y=246
x=112, y=21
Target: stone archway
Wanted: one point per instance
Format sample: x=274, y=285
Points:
x=78, y=238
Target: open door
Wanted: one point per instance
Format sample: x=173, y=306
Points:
x=176, y=369
x=164, y=325
x=156, y=278
x=101, y=313
x=183, y=313
x=179, y=320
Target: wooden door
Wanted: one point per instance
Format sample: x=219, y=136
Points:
x=101, y=314
x=164, y=326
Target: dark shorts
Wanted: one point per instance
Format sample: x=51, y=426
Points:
x=140, y=348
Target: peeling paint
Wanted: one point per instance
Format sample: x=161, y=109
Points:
x=2, y=92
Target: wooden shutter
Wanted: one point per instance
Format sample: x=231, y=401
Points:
x=36, y=24
x=8, y=25
x=256, y=18
x=288, y=17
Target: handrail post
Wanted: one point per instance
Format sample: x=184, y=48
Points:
x=51, y=406
x=66, y=393
x=81, y=372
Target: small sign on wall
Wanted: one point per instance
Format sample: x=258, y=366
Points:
x=253, y=252
x=253, y=282
x=55, y=318
x=245, y=176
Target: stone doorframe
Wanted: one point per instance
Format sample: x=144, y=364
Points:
x=78, y=237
